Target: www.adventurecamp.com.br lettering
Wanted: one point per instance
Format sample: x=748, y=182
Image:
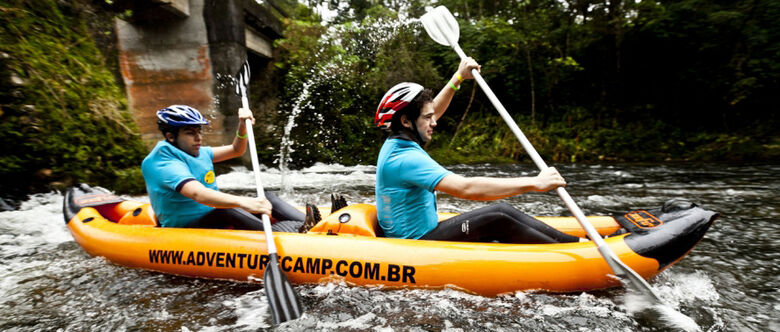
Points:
x=308, y=265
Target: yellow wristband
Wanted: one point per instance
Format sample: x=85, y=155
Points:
x=239, y=136
x=460, y=78
x=453, y=86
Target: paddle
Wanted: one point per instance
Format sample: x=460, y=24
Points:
x=443, y=28
x=282, y=298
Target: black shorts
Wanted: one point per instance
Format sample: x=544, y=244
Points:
x=499, y=222
x=240, y=219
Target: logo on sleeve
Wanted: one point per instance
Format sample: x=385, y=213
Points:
x=209, y=178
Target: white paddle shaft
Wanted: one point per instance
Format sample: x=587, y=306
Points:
x=269, y=238
x=617, y=266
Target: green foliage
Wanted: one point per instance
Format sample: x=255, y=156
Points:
x=488, y=139
x=587, y=81
x=733, y=148
x=128, y=180
x=343, y=74
x=64, y=118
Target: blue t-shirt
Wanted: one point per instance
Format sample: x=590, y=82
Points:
x=405, y=180
x=167, y=168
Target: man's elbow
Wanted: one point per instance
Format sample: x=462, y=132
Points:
x=239, y=151
x=194, y=195
x=471, y=190
x=193, y=191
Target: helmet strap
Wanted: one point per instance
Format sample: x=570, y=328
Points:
x=411, y=134
x=416, y=135
x=408, y=134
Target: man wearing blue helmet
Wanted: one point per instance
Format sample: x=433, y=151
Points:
x=181, y=183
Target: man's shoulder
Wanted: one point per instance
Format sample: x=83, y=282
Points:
x=160, y=146
x=161, y=152
x=153, y=153
x=209, y=151
x=401, y=150
x=396, y=145
x=414, y=153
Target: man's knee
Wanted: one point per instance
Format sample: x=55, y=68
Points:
x=504, y=207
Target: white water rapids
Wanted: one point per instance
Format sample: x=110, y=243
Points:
x=729, y=282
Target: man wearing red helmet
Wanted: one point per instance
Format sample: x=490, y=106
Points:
x=407, y=177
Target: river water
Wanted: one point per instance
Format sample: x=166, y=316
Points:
x=729, y=282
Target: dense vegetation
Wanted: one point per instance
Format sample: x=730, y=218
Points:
x=63, y=118
x=586, y=80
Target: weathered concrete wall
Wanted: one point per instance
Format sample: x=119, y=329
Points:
x=165, y=60
x=224, y=20
x=235, y=27
x=187, y=52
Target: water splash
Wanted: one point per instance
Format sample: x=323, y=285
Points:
x=661, y=315
x=285, y=149
x=252, y=311
x=677, y=289
x=326, y=73
x=665, y=316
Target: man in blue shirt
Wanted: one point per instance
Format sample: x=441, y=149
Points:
x=407, y=177
x=181, y=183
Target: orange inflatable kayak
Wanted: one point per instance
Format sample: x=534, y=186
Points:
x=347, y=244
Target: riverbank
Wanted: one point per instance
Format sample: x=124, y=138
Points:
x=488, y=139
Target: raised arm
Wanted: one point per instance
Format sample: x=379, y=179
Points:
x=442, y=100
x=238, y=147
x=488, y=189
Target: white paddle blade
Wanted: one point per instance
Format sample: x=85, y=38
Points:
x=242, y=78
x=441, y=26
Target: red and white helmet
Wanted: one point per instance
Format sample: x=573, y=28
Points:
x=394, y=100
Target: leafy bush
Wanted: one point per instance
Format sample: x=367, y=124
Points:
x=64, y=119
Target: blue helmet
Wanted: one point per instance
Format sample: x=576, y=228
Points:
x=180, y=116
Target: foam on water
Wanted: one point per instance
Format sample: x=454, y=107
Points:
x=337, y=306
x=37, y=221
x=675, y=289
x=679, y=288
x=660, y=316
x=45, y=276
x=320, y=175
x=36, y=226
x=251, y=310
x=364, y=322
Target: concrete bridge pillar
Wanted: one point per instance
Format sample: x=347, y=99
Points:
x=185, y=52
x=166, y=61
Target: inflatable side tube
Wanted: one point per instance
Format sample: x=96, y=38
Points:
x=669, y=233
x=82, y=195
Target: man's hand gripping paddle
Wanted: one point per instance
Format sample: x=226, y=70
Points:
x=282, y=299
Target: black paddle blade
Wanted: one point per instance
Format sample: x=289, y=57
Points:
x=282, y=299
x=242, y=78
